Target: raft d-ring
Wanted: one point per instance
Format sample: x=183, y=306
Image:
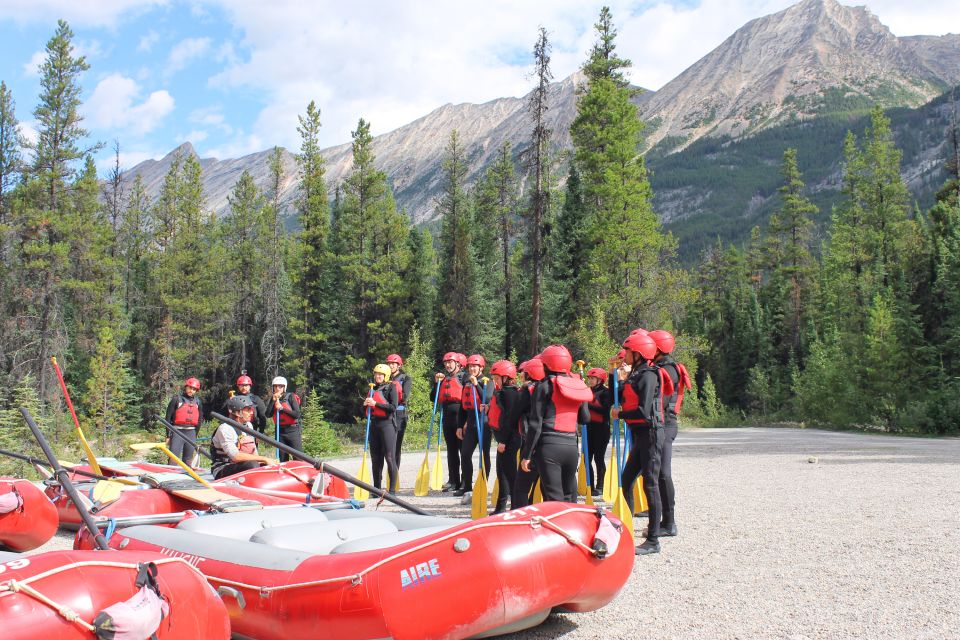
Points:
x=233, y=593
x=356, y=581
x=460, y=545
x=536, y=522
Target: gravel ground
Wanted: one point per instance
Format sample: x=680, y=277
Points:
x=784, y=533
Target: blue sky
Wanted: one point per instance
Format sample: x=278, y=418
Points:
x=231, y=76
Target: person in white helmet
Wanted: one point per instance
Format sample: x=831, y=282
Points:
x=285, y=409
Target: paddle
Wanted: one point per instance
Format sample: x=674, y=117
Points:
x=176, y=432
x=436, y=472
x=64, y=479
x=92, y=459
x=422, y=485
x=611, y=478
x=146, y=446
x=359, y=493
x=583, y=476
x=67, y=467
x=620, y=508
x=321, y=466
x=276, y=421
x=478, y=505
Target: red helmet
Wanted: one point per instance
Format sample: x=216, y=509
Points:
x=642, y=343
x=534, y=369
x=192, y=382
x=621, y=354
x=598, y=373
x=478, y=360
x=504, y=368
x=664, y=339
x=557, y=358
x=451, y=355
x=393, y=357
x=244, y=379
x=639, y=330
x=461, y=359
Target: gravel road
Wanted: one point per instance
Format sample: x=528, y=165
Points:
x=784, y=533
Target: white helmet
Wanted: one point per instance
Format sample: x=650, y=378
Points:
x=279, y=380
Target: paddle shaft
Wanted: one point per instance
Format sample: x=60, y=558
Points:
x=64, y=479
x=92, y=459
x=319, y=464
x=175, y=432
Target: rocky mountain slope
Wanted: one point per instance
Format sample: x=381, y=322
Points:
x=814, y=58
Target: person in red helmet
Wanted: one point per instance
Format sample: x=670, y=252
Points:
x=558, y=405
x=503, y=416
x=185, y=413
x=244, y=388
x=449, y=387
x=469, y=432
x=671, y=410
x=641, y=407
x=598, y=429
x=402, y=382
x=531, y=373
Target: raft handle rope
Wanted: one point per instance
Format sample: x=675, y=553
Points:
x=357, y=578
x=14, y=587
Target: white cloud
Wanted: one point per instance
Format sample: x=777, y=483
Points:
x=92, y=13
x=28, y=129
x=32, y=66
x=147, y=40
x=194, y=136
x=211, y=116
x=185, y=51
x=113, y=105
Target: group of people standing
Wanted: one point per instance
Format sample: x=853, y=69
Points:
x=231, y=452
x=533, y=412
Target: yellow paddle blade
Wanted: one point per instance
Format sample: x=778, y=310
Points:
x=622, y=512
x=107, y=491
x=143, y=446
x=611, y=481
x=478, y=507
x=589, y=500
x=582, y=487
x=422, y=486
x=359, y=493
x=436, y=473
x=537, y=493
x=495, y=497
x=639, y=497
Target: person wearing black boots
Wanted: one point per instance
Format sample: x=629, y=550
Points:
x=558, y=405
x=469, y=431
x=449, y=386
x=402, y=382
x=598, y=429
x=671, y=410
x=382, y=404
x=503, y=416
x=641, y=408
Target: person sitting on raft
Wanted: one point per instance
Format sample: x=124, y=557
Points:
x=232, y=453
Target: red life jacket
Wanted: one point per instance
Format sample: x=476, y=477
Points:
x=399, y=387
x=287, y=420
x=674, y=403
x=187, y=414
x=568, y=394
x=377, y=411
x=451, y=390
x=631, y=401
x=247, y=444
x=595, y=406
x=467, y=396
x=493, y=413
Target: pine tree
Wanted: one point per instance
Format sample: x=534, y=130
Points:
x=311, y=314
x=110, y=398
x=11, y=144
x=538, y=166
x=418, y=279
x=14, y=432
x=456, y=300
x=568, y=253
x=277, y=282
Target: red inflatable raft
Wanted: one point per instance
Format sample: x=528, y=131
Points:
x=57, y=595
x=361, y=574
x=27, y=517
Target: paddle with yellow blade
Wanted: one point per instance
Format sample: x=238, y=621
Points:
x=436, y=471
x=611, y=477
x=620, y=508
x=478, y=508
x=584, y=485
x=92, y=459
x=422, y=486
x=161, y=446
x=359, y=493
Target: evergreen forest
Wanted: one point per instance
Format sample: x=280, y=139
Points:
x=854, y=326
